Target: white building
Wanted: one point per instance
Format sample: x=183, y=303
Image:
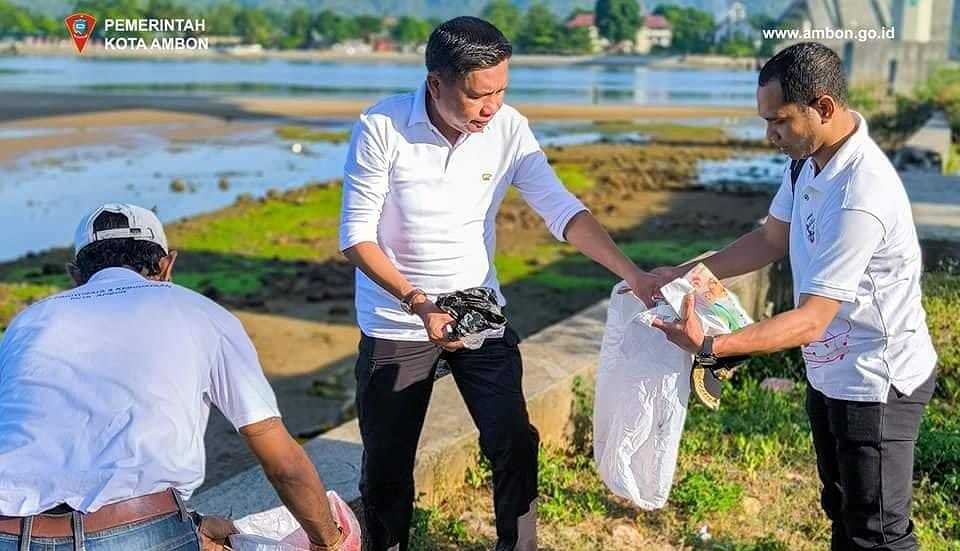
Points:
x=655, y=30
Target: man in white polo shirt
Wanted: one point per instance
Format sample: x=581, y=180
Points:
x=424, y=178
x=106, y=391
x=843, y=215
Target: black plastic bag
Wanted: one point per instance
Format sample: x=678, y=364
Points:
x=475, y=310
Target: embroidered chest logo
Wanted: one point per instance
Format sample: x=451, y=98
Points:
x=486, y=177
x=809, y=223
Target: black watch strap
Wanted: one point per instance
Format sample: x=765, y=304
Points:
x=706, y=355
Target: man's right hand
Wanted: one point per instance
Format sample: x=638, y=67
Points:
x=436, y=322
x=214, y=532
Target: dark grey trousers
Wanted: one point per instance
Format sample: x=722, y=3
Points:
x=394, y=383
x=865, y=460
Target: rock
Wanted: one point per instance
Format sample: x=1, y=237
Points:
x=625, y=535
x=777, y=384
x=752, y=506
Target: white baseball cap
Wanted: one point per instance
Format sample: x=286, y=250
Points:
x=143, y=225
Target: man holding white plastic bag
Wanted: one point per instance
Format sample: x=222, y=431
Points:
x=845, y=219
x=644, y=382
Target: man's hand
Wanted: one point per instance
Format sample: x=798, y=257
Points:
x=666, y=274
x=436, y=322
x=645, y=285
x=214, y=532
x=686, y=333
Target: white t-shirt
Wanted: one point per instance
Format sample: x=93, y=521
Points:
x=105, y=392
x=852, y=239
x=432, y=207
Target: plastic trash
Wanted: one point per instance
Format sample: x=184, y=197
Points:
x=277, y=529
x=477, y=315
x=643, y=387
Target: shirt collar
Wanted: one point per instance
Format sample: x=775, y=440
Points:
x=843, y=156
x=418, y=111
x=114, y=274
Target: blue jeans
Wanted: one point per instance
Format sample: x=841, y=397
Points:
x=163, y=533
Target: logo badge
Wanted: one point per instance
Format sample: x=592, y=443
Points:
x=486, y=177
x=80, y=26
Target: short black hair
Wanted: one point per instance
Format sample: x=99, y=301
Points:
x=807, y=71
x=464, y=44
x=142, y=256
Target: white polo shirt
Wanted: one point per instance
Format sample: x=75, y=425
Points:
x=432, y=206
x=852, y=239
x=105, y=392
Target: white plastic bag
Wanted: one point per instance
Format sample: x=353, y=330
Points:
x=643, y=387
x=277, y=529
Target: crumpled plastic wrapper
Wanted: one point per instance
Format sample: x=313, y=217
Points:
x=277, y=529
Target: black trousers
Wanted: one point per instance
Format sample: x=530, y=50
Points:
x=865, y=460
x=394, y=384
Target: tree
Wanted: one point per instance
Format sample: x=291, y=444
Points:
x=617, y=20
x=332, y=28
x=166, y=9
x=221, y=20
x=764, y=22
x=254, y=27
x=367, y=25
x=577, y=41
x=110, y=9
x=539, y=31
x=504, y=16
x=693, y=29
x=297, y=30
x=410, y=30
x=15, y=21
x=737, y=46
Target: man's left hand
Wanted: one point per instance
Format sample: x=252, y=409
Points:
x=686, y=333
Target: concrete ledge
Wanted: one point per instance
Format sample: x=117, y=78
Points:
x=553, y=359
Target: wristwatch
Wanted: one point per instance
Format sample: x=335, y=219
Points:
x=705, y=356
x=406, y=303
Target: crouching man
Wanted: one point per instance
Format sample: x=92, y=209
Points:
x=106, y=391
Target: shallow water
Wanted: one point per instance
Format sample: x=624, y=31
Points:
x=43, y=195
x=604, y=84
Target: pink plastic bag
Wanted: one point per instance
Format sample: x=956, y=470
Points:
x=277, y=530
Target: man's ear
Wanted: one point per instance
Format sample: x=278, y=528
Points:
x=74, y=272
x=166, y=266
x=433, y=84
x=826, y=107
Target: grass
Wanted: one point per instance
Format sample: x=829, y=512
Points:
x=232, y=252
x=286, y=227
x=746, y=477
x=574, y=177
x=304, y=134
x=745, y=474
x=664, y=132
